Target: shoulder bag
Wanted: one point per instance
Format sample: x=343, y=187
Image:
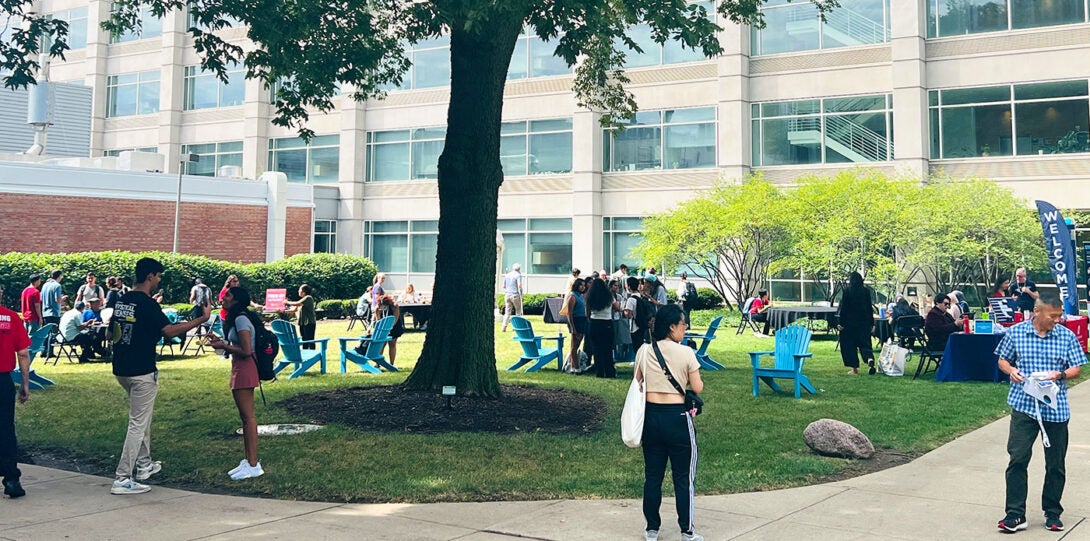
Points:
x=693, y=402
x=635, y=405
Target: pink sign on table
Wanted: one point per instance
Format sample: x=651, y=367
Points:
x=274, y=299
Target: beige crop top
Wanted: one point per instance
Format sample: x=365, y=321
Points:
x=681, y=360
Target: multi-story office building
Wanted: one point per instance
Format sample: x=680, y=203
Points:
x=986, y=88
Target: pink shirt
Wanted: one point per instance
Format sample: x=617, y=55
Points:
x=755, y=307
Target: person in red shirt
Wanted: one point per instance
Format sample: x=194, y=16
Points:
x=14, y=343
x=758, y=309
x=31, y=304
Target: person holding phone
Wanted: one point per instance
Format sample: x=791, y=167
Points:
x=240, y=331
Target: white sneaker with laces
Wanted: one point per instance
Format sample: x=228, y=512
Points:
x=128, y=486
x=238, y=468
x=145, y=472
x=248, y=472
x=651, y=535
x=691, y=536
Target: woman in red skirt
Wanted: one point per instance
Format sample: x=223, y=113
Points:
x=239, y=328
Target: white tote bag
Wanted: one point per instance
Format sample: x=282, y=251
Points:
x=892, y=359
x=632, y=415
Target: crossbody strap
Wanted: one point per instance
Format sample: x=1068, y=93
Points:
x=666, y=369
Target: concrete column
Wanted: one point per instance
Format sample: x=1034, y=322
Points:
x=733, y=126
x=256, y=112
x=95, y=68
x=277, y=225
x=172, y=89
x=353, y=173
x=586, y=191
x=909, y=64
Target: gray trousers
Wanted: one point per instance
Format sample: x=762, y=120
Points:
x=142, y=391
x=512, y=305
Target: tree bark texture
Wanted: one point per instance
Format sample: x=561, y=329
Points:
x=459, y=348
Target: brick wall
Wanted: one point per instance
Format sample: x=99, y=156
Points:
x=298, y=236
x=51, y=224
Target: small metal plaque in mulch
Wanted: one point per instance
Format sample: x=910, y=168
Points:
x=394, y=409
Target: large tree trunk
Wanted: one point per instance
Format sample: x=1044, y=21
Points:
x=459, y=348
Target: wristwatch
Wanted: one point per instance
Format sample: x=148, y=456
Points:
x=1063, y=375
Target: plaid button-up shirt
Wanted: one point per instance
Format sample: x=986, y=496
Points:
x=1058, y=350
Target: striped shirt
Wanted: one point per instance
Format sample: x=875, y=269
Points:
x=1058, y=350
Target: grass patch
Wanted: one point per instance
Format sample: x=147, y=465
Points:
x=746, y=443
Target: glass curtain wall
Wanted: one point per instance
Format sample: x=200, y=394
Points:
x=213, y=156
x=620, y=235
x=132, y=94
x=150, y=26
x=850, y=129
x=317, y=162
x=540, y=245
x=797, y=26
x=674, y=139
x=1010, y=120
x=959, y=17
x=203, y=90
x=669, y=52
x=404, y=154
x=402, y=246
x=536, y=147
x=77, y=26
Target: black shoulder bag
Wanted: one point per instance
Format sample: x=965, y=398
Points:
x=693, y=402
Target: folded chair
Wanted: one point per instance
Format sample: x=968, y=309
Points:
x=929, y=354
x=746, y=321
x=295, y=356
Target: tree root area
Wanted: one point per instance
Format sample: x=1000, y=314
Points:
x=391, y=409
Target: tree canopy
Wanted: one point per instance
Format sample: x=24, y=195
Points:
x=946, y=232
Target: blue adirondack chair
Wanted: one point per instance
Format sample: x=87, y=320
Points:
x=37, y=345
x=532, y=352
x=380, y=335
x=702, y=357
x=792, y=348
x=301, y=359
x=173, y=317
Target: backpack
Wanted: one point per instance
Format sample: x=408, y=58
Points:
x=645, y=310
x=690, y=292
x=266, y=348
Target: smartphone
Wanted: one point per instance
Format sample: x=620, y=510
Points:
x=160, y=292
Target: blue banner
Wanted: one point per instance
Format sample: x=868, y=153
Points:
x=1061, y=255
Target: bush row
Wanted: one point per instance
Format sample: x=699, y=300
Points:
x=332, y=276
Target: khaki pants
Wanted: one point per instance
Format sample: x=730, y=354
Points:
x=142, y=391
x=512, y=304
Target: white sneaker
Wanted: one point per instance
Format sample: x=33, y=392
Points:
x=248, y=472
x=691, y=536
x=238, y=468
x=144, y=472
x=651, y=535
x=128, y=486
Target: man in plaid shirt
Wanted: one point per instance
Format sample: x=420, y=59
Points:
x=1038, y=345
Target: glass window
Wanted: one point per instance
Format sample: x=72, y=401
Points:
x=132, y=94
x=1034, y=13
x=686, y=138
x=404, y=154
x=213, y=157
x=317, y=162
x=150, y=27
x=550, y=253
x=542, y=248
x=514, y=250
x=543, y=62
x=77, y=26
x=671, y=51
x=620, y=236
x=1042, y=118
x=325, y=236
x=431, y=67
x=797, y=26
x=423, y=252
x=536, y=147
x=203, y=90
x=394, y=248
x=823, y=131
x=390, y=252
x=958, y=17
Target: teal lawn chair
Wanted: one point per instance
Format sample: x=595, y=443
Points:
x=37, y=345
x=173, y=317
x=532, y=352
x=301, y=359
x=380, y=335
x=702, y=357
x=792, y=348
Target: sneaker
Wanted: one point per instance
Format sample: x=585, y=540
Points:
x=651, y=535
x=1053, y=523
x=15, y=489
x=144, y=472
x=691, y=536
x=128, y=486
x=238, y=468
x=248, y=472
x=1012, y=523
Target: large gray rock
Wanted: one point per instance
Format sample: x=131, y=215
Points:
x=830, y=437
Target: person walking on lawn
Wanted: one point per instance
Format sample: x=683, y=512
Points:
x=1040, y=347
x=138, y=324
x=14, y=343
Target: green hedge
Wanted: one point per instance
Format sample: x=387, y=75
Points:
x=337, y=308
x=332, y=276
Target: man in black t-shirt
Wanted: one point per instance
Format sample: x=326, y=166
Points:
x=137, y=325
x=1024, y=292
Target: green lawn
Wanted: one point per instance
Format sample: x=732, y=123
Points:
x=746, y=443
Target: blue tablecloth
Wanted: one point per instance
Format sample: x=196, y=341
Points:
x=970, y=357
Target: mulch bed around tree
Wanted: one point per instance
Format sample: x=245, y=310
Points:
x=393, y=409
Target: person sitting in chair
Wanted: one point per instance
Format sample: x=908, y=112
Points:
x=758, y=310
x=939, y=324
x=76, y=332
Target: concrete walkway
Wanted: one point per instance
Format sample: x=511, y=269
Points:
x=954, y=492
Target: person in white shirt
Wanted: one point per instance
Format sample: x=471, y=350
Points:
x=74, y=331
x=512, y=295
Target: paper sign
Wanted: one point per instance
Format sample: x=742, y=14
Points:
x=449, y=390
x=274, y=299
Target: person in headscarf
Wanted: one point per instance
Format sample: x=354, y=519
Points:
x=856, y=321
